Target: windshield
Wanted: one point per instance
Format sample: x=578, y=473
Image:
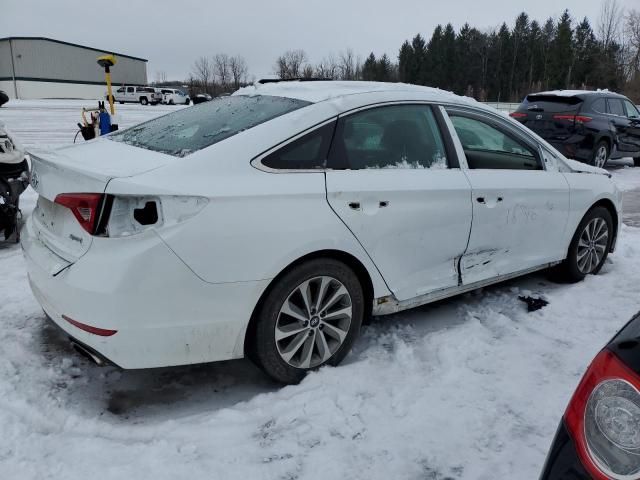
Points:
x=198, y=127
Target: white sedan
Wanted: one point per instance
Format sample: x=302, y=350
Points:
x=270, y=223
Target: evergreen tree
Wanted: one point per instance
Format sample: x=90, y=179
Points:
x=405, y=62
x=369, y=68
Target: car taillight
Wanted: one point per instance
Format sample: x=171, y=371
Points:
x=132, y=214
x=573, y=118
x=84, y=206
x=518, y=115
x=604, y=419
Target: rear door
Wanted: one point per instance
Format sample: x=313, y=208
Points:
x=520, y=208
x=402, y=194
x=131, y=94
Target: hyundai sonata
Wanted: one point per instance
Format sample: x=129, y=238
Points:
x=270, y=223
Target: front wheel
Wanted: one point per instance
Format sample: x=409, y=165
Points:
x=310, y=318
x=600, y=154
x=590, y=245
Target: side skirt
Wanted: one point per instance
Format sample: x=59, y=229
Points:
x=389, y=304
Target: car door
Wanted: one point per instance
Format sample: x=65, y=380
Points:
x=402, y=194
x=633, y=128
x=131, y=94
x=520, y=208
x=627, y=129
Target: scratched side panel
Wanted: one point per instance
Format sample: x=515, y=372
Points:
x=520, y=223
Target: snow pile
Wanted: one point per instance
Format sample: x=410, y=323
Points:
x=472, y=388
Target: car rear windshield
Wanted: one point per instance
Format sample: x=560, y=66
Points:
x=551, y=103
x=200, y=126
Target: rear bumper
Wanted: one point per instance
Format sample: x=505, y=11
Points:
x=163, y=313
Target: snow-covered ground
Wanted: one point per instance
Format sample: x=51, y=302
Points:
x=471, y=388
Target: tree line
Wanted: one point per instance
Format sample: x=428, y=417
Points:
x=499, y=64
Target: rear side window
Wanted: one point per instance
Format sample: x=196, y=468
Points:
x=552, y=103
x=307, y=152
x=616, y=107
x=399, y=136
x=599, y=106
x=192, y=129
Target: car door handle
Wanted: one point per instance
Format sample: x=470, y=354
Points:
x=354, y=205
x=383, y=203
x=483, y=200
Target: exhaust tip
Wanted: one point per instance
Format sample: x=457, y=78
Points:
x=88, y=354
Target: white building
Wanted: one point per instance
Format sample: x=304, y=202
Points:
x=37, y=67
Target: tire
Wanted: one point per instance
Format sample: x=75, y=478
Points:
x=310, y=338
x=171, y=102
x=636, y=161
x=572, y=268
x=121, y=103
x=144, y=101
x=600, y=154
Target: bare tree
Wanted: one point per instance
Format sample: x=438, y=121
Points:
x=290, y=64
x=161, y=77
x=327, y=68
x=632, y=40
x=202, y=71
x=221, y=69
x=238, y=67
x=307, y=71
x=347, y=65
x=609, y=22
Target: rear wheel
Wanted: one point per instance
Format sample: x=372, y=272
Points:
x=144, y=101
x=590, y=245
x=600, y=154
x=310, y=318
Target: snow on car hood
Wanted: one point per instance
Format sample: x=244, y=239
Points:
x=584, y=168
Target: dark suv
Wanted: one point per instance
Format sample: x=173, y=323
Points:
x=587, y=126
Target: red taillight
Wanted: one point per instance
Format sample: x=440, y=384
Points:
x=573, y=118
x=518, y=115
x=88, y=328
x=84, y=207
x=603, y=418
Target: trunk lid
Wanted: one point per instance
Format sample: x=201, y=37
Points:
x=85, y=168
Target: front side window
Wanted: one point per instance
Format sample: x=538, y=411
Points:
x=616, y=107
x=631, y=110
x=192, y=129
x=487, y=147
x=130, y=89
x=398, y=136
x=120, y=90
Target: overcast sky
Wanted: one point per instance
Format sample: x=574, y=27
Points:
x=172, y=34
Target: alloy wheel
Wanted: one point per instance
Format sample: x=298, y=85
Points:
x=592, y=245
x=313, y=322
x=601, y=157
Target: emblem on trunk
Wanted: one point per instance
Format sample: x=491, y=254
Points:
x=538, y=117
x=35, y=181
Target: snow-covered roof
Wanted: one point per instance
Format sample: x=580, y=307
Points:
x=572, y=93
x=319, y=91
